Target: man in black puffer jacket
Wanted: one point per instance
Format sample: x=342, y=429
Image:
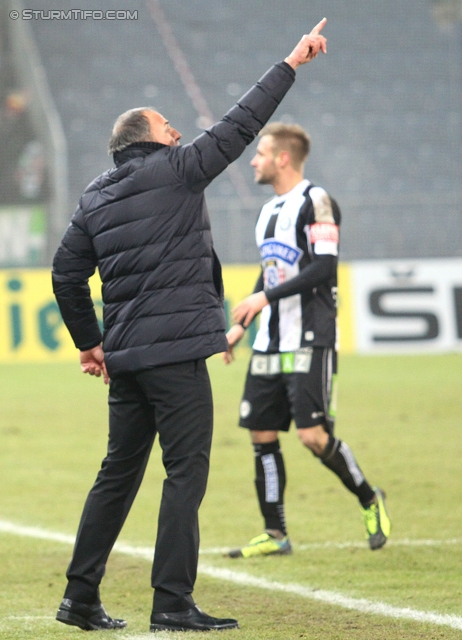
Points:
x=145, y=226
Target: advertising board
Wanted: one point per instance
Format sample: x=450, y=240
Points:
x=384, y=307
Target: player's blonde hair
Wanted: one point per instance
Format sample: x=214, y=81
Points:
x=291, y=138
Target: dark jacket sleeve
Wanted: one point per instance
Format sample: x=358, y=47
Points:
x=73, y=264
x=211, y=152
x=315, y=273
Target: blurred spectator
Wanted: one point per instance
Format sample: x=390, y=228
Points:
x=446, y=11
x=22, y=168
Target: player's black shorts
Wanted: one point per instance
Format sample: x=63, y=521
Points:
x=298, y=385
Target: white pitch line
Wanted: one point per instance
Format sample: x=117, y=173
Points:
x=35, y=532
x=246, y=579
x=148, y=552
x=405, y=542
x=331, y=597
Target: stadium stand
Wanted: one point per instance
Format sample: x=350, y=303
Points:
x=384, y=107
x=15, y=131
x=24, y=185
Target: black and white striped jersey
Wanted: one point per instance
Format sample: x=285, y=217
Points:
x=297, y=234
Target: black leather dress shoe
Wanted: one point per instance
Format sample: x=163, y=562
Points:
x=190, y=620
x=89, y=617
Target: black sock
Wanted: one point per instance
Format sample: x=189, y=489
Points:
x=338, y=457
x=270, y=482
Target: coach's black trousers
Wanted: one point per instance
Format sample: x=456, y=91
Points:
x=174, y=401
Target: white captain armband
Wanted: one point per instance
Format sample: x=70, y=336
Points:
x=324, y=236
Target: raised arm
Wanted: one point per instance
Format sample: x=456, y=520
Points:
x=308, y=47
x=211, y=152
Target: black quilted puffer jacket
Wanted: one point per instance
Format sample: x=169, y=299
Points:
x=145, y=226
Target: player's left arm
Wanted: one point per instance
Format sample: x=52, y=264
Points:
x=314, y=274
x=322, y=269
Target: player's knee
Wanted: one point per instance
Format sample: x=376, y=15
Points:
x=263, y=437
x=314, y=438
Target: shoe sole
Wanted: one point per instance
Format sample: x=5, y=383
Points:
x=284, y=552
x=75, y=621
x=165, y=627
x=380, y=538
x=377, y=543
x=237, y=553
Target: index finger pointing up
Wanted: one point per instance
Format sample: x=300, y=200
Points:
x=319, y=27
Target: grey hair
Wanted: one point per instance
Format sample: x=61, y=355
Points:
x=132, y=126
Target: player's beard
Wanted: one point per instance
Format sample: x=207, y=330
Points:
x=267, y=176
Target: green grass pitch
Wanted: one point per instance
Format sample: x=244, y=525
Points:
x=400, y=415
